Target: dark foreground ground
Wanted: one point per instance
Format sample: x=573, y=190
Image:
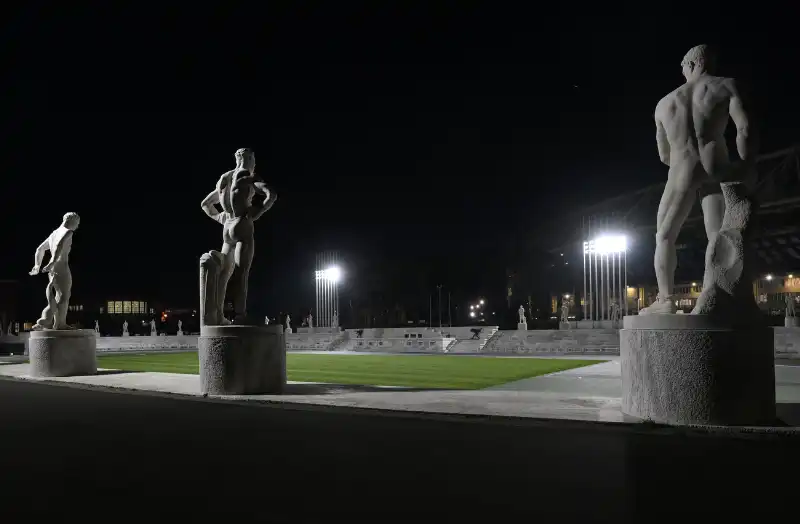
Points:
x=103, y=456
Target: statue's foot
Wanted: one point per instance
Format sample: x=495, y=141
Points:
x=662, y=306
x=38, y=327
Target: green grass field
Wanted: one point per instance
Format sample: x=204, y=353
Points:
x=425, y=371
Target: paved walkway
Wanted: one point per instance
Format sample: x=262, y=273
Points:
x=590, y=393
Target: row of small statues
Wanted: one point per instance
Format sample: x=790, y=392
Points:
x=307, y=322
x=153, y=330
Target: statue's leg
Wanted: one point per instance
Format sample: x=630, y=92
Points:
x=63, y=287
x=243, y=258
x=48, y=313
x=675, y=205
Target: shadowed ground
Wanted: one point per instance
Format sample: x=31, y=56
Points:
x=101, y=455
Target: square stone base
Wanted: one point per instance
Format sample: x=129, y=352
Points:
x=242, y=360
x=687, y=369
x=62, y=352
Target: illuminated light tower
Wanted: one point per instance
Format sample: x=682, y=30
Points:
x=327, y=275
x=606, y=276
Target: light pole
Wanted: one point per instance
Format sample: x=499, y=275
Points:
x=327, y=294
x=439, y=288
x=610, y=253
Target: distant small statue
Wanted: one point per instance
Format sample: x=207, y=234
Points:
x=125, y=328
x=97, y=327
x=59, y=288
x=335, y=321
x=790, y=306
x=266, y=321
x=616, y=311
x=180, y=328
x=521, y=312
x=289, y=324
x=153, y=331
x=310, y=320
x=564, y=311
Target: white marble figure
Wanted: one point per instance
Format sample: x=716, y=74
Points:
x=690, y=125
x=288, y=324
x=266, y=321
x=180, y=328
x=234, y=193
x=521, y=312
x=564, y=311
x=153, y=331
x=125, y=328
x=335, y=320
x=790, y=307
x=310, y=320
x=59, y=288
x=616, y=311
x=97, y=327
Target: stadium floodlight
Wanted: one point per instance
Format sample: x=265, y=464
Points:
x=333, y=274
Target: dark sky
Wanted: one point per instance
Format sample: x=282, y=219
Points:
x=430, y=144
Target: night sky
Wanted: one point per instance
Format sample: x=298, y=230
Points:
x=430, y=144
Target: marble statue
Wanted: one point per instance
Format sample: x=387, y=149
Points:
x=96, y=326
x=790, y=307
x=616, y=311
x=234, y=193
x=564, y=311
x=180, y=328
x=521, y=312
x=125, y=328
x=153, y=331
x=266, y=321
x=59, y=287
x=690, y=125
x=335, y=320
x=310, y=320
x=288, y=324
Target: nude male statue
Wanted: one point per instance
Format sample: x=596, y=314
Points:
x=234, y=193
x=59, y=288
x=690, y=127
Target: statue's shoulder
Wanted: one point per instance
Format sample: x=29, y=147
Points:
x=225, y=179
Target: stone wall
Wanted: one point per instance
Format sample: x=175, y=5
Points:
x=146, y=343
x=555, y=341
x=787, y=342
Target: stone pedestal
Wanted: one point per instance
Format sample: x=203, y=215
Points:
x=791, y=322
x=242, y=360
x=690, y=369
x=522, y=326
x=564, y=325
x=62, y=352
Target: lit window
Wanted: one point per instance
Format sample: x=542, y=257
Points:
x=126, y=307
x=110, y=306
x=118, y=307
x=135, y=308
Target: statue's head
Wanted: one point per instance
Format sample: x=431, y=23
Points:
x=71, y=221
x=245, y=159
x=697, y=61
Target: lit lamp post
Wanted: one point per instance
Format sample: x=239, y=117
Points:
x=605, y=275
x=327, y=294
